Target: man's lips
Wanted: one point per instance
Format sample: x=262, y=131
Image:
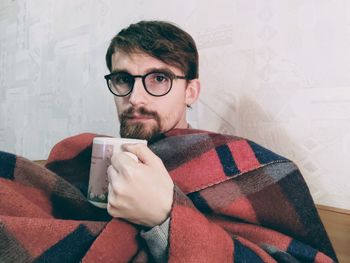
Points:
x=139, y=117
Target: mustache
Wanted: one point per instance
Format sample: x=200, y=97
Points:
x=139, y=130
x=140, y=111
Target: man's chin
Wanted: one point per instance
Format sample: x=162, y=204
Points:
x=139, y=130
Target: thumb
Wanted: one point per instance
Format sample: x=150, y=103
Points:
x=143, y=153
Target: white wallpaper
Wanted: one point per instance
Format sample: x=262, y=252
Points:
x=272, y=71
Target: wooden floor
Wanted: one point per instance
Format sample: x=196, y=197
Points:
x=337, y=224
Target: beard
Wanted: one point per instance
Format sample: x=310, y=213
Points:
x=139, y=130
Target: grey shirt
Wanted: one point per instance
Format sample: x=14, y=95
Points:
x=157, y=239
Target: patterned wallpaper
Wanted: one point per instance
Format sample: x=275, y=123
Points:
x=272, y=71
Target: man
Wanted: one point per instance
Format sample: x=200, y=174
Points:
x=154, y=77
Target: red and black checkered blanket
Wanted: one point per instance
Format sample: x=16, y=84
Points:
x=234, y=201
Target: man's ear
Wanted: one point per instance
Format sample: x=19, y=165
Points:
x=192, y=91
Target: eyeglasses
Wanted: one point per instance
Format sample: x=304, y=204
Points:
x=155, y=83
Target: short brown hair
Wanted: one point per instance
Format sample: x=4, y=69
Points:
x=161, y=40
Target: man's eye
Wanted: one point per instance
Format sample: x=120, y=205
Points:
x=122, y=79
x=160, y=78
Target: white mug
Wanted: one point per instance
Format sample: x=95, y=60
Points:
x=102, y=150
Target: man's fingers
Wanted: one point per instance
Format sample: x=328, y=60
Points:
x=112, y=175
x=112, y=204
x=120, y=161
x=142, y=152
x=112, y=211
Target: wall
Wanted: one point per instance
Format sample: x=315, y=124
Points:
x=273, y=71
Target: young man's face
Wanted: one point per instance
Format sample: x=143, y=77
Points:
x=145, y=116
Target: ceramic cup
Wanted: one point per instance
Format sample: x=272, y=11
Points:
x=102, y=150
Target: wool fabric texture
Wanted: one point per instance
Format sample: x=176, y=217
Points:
x=234, y=201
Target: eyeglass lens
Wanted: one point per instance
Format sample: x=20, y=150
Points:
x=156, y=83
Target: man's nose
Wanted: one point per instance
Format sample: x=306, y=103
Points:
x=138, y=96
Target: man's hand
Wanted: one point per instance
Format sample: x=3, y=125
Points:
x=140, y=192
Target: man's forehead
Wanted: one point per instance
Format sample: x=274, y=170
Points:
x=139, y=61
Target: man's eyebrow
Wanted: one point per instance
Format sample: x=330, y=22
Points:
x=161, y=69
x=119, y=71
x=154, y=69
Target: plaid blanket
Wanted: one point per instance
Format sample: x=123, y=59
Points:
x=234, y=201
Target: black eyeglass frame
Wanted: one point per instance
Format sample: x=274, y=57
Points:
x=143, y=77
